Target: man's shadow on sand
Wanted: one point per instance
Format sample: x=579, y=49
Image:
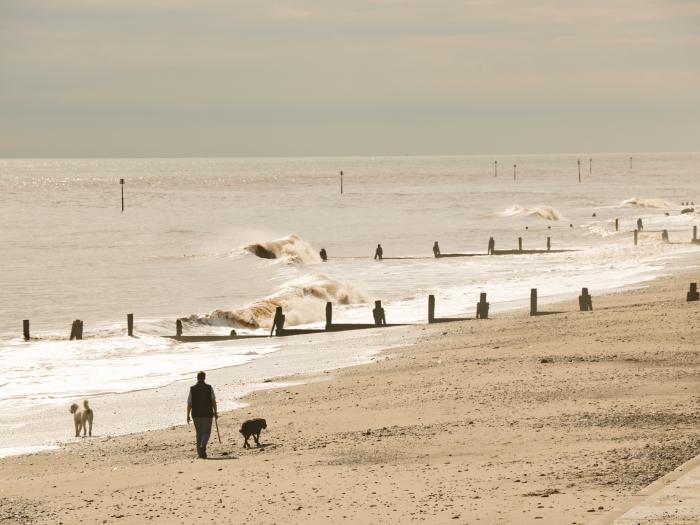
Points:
x=229, y=455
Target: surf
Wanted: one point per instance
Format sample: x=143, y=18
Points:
x=303, y=300
x=291, y=249
x=541, y=212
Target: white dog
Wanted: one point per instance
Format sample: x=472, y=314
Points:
x=82, y=418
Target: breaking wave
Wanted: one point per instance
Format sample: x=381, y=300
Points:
x=304, y=301
x=645, y=203
x=542, y=212
x=292, y=249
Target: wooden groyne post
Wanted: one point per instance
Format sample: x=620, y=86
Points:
x=25, y=329
x=341, y=182
x=585, y=301
x=130, y=325
x=278, y=322
x=693, y=294
x=514, y=168
x=76, y=330
x=121, y=183
x=664, y=235
x=378, y=314
x=431, y=308
x=482, y=307
x=329, y=315
x=549, y=243
x=178, y=328
x=520, y=244
x=617, y=225
x=579, y=170
x=495, y=168
x=533, y=301
x=695, y=233
x=636, y=237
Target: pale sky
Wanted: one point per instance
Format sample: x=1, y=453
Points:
x=108, y=78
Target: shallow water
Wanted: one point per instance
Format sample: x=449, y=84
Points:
x=178, y=251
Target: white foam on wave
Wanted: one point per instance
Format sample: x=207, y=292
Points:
x=541, y=212
x=639, y=202
x=49, y=371
x=303, y=300
x=290, y=249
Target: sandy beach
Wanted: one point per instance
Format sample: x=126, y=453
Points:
x=516, y=419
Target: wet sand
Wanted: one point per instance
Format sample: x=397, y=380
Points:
x=518, y=419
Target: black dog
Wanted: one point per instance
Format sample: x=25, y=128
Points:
x=252, y=427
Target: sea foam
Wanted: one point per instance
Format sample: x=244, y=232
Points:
x=303, y=299
x=645, y=203
x=541, y=212
x=291, y=249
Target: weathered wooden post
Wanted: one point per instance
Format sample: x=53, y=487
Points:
x=495, y=168
x=431, y=308
x=520, y=244
x=549, y=243
x=341, y=182
x=130, y=324
x=482, y=307
x=533, y=301
x=121, y=182
x=514, y=167
x=693, y=294
x=76, y=330
x=378, y=314
x=636, y=235
x=664, y=235
x=25, y=329
x=329, y=315
x=579, y=170
x=278, y=322
x=617, y=224
x=695, y=233
x=590, y=166
x=585, y=301
x=178, y=328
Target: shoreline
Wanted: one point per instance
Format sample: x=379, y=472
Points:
x=557, y=415
x=166, y=399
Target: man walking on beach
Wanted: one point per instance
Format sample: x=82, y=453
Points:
x=202, y=404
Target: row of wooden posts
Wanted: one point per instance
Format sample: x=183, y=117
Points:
x=664, y=235
x=585, y=302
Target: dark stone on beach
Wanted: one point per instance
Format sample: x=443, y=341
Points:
x=546, y=360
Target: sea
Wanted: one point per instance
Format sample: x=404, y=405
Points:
x=187, y=243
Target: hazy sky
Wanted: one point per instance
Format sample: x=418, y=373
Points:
x=335, y=77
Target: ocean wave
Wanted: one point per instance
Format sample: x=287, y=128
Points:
x=645, y=203
x=292, y=249
x=542, y=212
x=304, y=301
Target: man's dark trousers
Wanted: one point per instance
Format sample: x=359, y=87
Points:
x=202, y=426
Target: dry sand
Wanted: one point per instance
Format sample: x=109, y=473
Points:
x=517, y=419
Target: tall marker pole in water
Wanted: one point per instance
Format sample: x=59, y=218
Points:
x=341, y=182
x=579, y=170
x=590, y=166
x=630, y=162
x=495, y=168
x=514, y=166
x=121, y=181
